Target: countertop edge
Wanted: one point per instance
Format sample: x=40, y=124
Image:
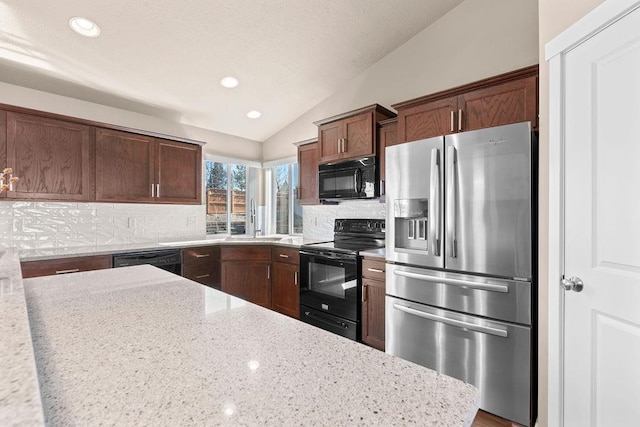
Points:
x=30, y=255
x=19, y=388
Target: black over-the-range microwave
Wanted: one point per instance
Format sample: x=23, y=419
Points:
x=351, y=179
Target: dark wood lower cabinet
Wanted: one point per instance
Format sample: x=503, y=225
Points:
x=64, y=266
x=249, y=280
x=202, y=264
x=286, y=289
x=373, y=302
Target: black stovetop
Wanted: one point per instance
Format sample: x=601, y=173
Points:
x=353, y=235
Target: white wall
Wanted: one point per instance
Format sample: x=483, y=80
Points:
x=216, y=143
x=477, y=39
x=555, y=16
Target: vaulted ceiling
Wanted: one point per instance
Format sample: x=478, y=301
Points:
x=166, y=58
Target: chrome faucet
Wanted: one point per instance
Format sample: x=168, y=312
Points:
x=253, y=218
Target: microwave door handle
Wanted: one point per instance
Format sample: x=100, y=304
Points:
x=357, y=181
x=434, y=204
x=452, y=197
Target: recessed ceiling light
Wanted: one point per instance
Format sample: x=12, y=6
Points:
x=254, y=114
x=229, y=82
x=84, y=27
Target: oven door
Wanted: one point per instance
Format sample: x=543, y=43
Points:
x=329, y=283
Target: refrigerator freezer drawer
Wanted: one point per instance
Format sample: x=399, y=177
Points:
x=493, y=356
x=502, y=299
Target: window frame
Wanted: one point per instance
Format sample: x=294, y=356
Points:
x=271, y=194
x=230, y=164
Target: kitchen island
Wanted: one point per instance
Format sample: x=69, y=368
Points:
x=141, y=346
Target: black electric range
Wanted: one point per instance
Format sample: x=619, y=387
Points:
x=330, y=281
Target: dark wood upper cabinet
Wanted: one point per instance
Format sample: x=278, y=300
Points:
x=179, y=172
x=427, y=120
x=507, y=98
x=308, y=174
x=51, y=157
x=125, y=167
x=329, y=137
x=62, y=158
x=139, y=168
x=350, y=135
x=511, y=102
x=387, y=136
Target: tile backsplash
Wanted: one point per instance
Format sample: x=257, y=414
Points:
x=36, y=225
x=317, y=220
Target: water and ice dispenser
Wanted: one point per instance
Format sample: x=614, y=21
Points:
x=411, y=224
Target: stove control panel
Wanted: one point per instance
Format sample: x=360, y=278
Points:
x=359, y=226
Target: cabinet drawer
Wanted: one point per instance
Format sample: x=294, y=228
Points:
x=373, y=269
x=251, y=253
x=63, y=266
x=207, y=274
x=202, y=255
x=288, y=255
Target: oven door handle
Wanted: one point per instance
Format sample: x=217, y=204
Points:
x=326, y=321
x=327, y=256
x=455, y=282
x=453, y=322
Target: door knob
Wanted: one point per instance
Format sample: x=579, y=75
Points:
x=573, y=284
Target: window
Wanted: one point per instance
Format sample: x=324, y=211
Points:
x=286, y=215
x=226, y=192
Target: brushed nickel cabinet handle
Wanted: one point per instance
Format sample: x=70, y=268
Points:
x=73, y=270
x=459, y=120
x=153, y=192
x=295, y=278
x=268, y=272
x=157, y=190
x=283, y=256
x=375, y=270
x=202, y=276
x=202, y=255
x=452, y=114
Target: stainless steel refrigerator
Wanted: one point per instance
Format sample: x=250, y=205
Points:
x=460, y=243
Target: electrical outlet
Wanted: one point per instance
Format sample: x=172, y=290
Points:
x=131, y=222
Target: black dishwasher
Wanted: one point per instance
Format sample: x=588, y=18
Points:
x=169, y=259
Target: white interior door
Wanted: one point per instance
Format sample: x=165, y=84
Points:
x=602, y=228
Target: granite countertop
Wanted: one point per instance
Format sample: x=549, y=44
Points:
x=19, y=391
x=374, y=253
x=139, y=345
x=54, y=253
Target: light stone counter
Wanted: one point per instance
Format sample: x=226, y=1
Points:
x=374, y=253
x=80, y=251
x=140, y=346
x=19, y=393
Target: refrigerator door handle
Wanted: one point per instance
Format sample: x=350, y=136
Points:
x=453, y=322
x=455, y=282
x=434, y=204
x=452, y=196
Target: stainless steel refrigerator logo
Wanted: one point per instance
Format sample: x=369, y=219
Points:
x=498, y=141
